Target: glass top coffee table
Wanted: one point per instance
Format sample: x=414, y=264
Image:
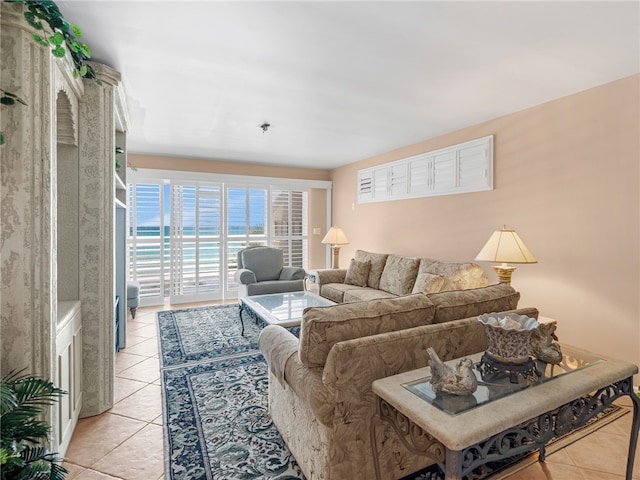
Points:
x=283, y=309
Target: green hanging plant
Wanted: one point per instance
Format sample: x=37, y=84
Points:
x=23, y=436
x=66, y=37
x=119, y=150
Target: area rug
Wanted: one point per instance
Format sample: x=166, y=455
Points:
x=214, y=392
x=214, y=388
x=206, y=333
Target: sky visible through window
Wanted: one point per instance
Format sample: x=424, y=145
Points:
x=148, y=218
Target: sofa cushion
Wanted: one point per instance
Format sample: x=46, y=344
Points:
x=459, y=276
x=377, y=261
x=366, y=294
x=428, y=283
x=456, y=304
x=323, y=327
x=335, y=291
x=399, y=274
x=358, y=273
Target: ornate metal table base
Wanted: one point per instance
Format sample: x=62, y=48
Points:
x=247, y=310
x=525, y=438
x=489, y=366
x=414, y=438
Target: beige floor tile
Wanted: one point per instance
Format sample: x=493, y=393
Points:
x=603, y=452
x=158, y=420
x=532, y=472
x=148, y=347
x=561, y=456
x=146, y=371
x=126, y=460
x=149, y=317
x=145, y=404
x=73, y=470
x=148, y=331
x=95, y=437
x=125, y=387
x=95, y=475
x=558, y=471
x=133, y=339
x=621, y=426
x=126, y=360
x=594, y=475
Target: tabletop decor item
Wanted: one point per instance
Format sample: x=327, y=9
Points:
x=460, y=380
x=543, y=346
x=508, y=336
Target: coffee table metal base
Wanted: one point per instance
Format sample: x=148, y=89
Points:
x=527, y=437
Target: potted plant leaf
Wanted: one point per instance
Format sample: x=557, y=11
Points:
x=24, y=435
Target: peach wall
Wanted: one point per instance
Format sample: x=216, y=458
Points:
x=567, y=180
x=222, y=167
x=317, y=220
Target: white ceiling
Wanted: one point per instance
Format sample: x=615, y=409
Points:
x=342, y=81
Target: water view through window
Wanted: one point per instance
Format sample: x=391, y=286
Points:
x=183, y=239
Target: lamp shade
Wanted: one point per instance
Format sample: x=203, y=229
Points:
x=335, y=236
x=507, y=247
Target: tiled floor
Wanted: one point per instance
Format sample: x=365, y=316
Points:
x=127, y=441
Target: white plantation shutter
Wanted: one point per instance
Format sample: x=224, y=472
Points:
x=289, y=225
x=419, y=175
x=462, y=168
x=195, y=243
x=444, y=173
x=147, y=254
x=365, y=184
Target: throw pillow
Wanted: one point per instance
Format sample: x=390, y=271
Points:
x=428, y=283
x=399, y=274
x=378, y=261
x=357, y=273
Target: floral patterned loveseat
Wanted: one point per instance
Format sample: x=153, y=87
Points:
x=320, y=396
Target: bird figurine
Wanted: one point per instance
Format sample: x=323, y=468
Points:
x=460, y=380
x=542, y=346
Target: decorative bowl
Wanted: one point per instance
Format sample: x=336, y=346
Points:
x=508, y=336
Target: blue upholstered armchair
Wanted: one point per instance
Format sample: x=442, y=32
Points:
x=261, y=270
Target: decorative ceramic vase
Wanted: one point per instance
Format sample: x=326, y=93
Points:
x=508, y=336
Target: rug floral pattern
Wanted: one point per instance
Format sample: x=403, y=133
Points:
x=214, y=381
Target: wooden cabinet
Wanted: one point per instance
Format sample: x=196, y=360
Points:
x=69, y=361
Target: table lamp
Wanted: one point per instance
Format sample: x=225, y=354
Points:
x=335, y=237
x=507, y=247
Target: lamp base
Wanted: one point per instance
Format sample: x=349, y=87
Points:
x=504, y=273
x=336, y=256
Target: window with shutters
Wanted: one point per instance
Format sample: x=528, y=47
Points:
x=462, y=168
x=184, y=235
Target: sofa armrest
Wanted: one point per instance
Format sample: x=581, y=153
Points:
x=244, y=276
x=279, y=347
x=292, y=273
x=330, y=275
x=277, y=344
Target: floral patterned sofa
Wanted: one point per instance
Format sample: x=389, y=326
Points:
x=372, y=276
x=320, y=396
